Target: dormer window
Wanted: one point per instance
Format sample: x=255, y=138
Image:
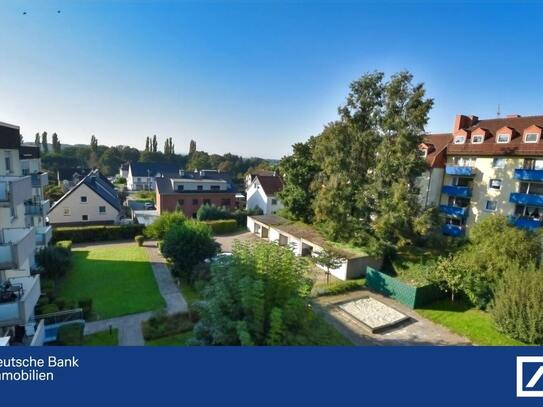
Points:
x=477, y=139
x=502, y=138
x=531, y=138
x=459, y=139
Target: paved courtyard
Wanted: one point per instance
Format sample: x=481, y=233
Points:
x=227, y=241
x=415, y=331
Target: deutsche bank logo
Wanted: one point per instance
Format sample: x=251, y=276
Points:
x=529, y=376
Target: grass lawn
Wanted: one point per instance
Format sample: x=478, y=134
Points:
x=103, y=338
x=324, y=334
x=461, y=318
x=174, y=340
x=118, y=278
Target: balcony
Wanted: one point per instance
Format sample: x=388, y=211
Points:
x=39, y=179
x=37, y=208
x=17, y=245
x=44, y=235
x=526, y=199
x=14, y=190
x=453, y=230
x=459, y=170
x=525, y=222
x=452, y=190
x=528, y=175
x=17, y=302
x=454, y=211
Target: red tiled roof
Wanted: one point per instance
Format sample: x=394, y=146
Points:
x=271, y=184
x=436, y=145
x=489, y=147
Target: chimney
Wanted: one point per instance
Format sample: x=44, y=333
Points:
x=463, y=122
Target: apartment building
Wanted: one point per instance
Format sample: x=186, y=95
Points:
x=141, y=176
x=434, y=150
x=19, y=288
x=493, y=166
x=188, y=191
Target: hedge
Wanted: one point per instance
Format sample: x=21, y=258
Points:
x=222, y=226
x=66, y=244
x=163, y=325
x=71, y=334
x=81, y=234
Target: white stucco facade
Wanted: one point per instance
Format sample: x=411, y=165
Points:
x=256, y=197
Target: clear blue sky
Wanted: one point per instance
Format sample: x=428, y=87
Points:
x=252, y=78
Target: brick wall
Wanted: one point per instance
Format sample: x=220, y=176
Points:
x=189, y=203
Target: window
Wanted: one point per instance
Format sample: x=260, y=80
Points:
x=215, y=187
x=495, y=183
x=207, y=201
x=181, y=202
x=459, y=140
x=8, y=161
x=225, y=202
x=531, y=138
x=498, y=162
x=274, y=201
x=200, y=187
x=491, y=205
x=195, y=201
x=83, y=199
x=477, y=139
x=180, y=188
x=101, y=210
x=66, y=211
x=503, y=138
x=84, y=217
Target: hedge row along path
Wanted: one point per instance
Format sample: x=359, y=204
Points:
x=129, y=326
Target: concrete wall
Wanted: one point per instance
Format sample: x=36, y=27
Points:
x=15, y=162
x=76, y=208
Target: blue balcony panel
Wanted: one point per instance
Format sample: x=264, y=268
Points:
x=526, y=199
x=451, y=190
x=453, y=230
x=453, y=210
x=459, y=170
x=529, y=175
x=525, y=222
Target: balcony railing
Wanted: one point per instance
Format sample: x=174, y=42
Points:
x=453, y=230
x=529, y=175
x=15, y=190
x=37, y=208
x=453, y=210
x=459, y=170
x=18, y=308
x=525, y=222
x=39, y=179
x=526, y=199
x=43, y=235
x=452, y=190
x=17, y=245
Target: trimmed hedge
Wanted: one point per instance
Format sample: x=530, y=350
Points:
x=81, y=234
x=166, y=325
x=222, y=226
x=66, y=244
x=71, y=334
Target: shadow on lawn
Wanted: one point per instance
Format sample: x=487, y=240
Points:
x=459, y=305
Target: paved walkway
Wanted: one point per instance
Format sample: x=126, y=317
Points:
x=129, y=326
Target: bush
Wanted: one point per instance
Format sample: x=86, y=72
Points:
x=139, y=240
x=66, y=244
x=341, y=287
x=121, y=180
x=166, y=325
x=222, y=226
x=49, y=309
x=70, y=334
x=212, y=212
x=97, y=233
x=517, y=309
x=162, y=224
x=86, y=305
x=55, y=261
x=61, y=302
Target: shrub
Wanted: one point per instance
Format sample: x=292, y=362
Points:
x=70, y=334
x=49, y=309
x=341, y=287
x=212, y=212
x=222, y=226
x=61, y=302
x=166, y=325
x=55, y=261
x=86, y=305
x=157, y=230
x=139, y=240
x=97, y=233
x=66, y=244
x=240, y=215
x=121, y=180
x=517, y=309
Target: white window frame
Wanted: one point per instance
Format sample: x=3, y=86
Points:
x=491, y=210
x=495, y=179
x=498, y=166
x=459, y=139
x=507, y=136
x=83, y=201
x=100, y=212
x=531, y=134
x=477, y=136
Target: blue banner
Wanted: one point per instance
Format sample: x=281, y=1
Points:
x=421, y=376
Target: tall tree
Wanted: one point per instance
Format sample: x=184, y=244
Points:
x=147, y=144
x=168, y=147
x=192, y=147
x=37, y=140
x=56, y=143
x=94, y=144
x=44, y=145
x=154, y=146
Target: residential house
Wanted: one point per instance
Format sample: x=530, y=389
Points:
x=188, y=191
x=19, y=287
x=263, y=193
x=69, y=177
x=123, y=170
x=434, y=150
x=94, y=200
x=249, y=178
x=141, y=176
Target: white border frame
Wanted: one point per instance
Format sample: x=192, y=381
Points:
x=520, y=362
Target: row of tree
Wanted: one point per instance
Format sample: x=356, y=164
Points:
x=357, y=179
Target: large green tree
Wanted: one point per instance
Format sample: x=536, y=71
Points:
x=44, y=144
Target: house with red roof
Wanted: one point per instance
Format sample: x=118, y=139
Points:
x=263, y=193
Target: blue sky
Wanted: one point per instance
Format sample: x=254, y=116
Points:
x=252, y=78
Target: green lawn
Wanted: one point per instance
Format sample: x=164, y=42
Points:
x=175, y=340
x=474, y=324
x=118, y=278
x=103, y=338
x=324, y=334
